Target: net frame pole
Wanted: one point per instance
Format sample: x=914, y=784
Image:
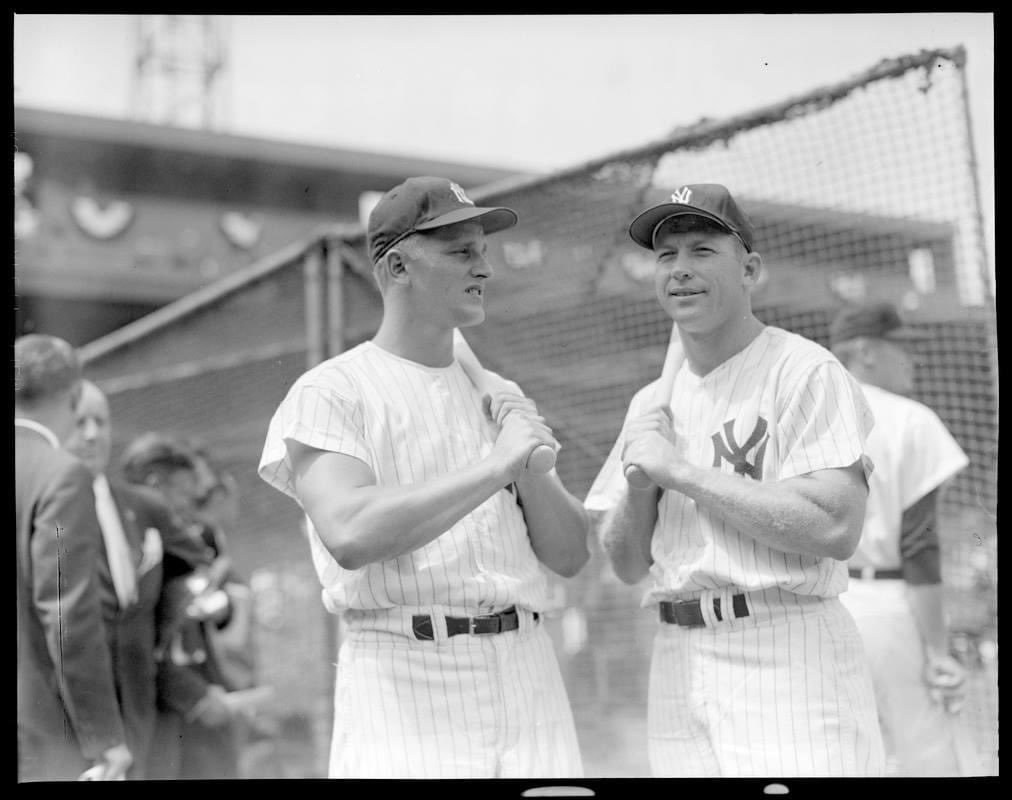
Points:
x=973, y=166
x=316, y=280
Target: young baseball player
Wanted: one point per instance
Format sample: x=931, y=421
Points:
x=759, y=484
x=428, y=534
x=895, y=592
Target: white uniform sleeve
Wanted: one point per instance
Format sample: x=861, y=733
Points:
x=610, y=482
x=824, y=422
x=316, y=416
x=930, y=455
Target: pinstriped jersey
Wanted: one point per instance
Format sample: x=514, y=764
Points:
x=409, y=423
x=782, y=407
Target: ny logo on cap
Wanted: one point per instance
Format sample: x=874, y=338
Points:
x=683, y=195
x=459, y=194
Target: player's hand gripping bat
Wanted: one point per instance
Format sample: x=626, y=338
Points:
x=541, y=459
x=673, y=359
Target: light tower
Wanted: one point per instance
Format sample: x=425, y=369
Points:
x=179, y=70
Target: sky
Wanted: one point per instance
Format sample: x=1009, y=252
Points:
x=525, y=92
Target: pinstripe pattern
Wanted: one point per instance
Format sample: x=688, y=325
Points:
x=763, y=696
x=817, y=419
x=466, y=706
x=786, y=690
x=410, y=424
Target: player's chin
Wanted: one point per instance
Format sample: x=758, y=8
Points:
x=470, y=316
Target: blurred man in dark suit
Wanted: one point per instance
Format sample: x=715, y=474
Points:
x=139, y=533
x=195, y=734
x=69, y=723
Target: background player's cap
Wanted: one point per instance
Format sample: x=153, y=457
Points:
x=424, y=203
x=709, y=200
x=878, y=320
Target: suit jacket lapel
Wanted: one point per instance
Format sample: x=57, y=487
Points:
x=134, y=535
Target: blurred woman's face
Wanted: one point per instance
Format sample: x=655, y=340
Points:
x=181, y=490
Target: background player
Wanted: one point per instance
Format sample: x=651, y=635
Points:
x=759, y=458
x=426, y=530
x=895, y=592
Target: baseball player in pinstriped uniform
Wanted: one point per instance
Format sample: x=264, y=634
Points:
x=759, y=476
x=895, y=593
x=426, y=531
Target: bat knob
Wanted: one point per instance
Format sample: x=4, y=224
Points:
x=637, y=478
x=541, y=460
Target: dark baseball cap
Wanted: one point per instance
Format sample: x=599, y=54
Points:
x=425, y=203
x=878, y=320
x=711, y=201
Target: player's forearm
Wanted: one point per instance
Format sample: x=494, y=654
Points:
x=556, y=522
x=794, y=515
x=625, y=532
x=927, y=605
x=376, y=523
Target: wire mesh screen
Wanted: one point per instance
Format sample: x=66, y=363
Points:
x=857, y=191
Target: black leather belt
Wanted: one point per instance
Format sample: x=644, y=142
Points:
x=508, y=620
x=689, y=613
x=869, y=574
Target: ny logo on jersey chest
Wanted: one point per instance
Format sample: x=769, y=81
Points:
x=726, y=448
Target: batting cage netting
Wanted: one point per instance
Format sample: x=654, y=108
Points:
x=864, y=189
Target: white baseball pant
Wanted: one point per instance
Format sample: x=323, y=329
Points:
x=467, y=706
x=784, y=691
x=922, y=737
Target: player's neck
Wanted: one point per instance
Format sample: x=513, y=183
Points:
x=423, y=344
x=705, y=351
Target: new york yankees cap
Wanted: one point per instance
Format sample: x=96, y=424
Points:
x=709, y=200
x=425, y=203
x=878, y=320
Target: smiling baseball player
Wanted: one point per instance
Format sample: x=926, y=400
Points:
x=759, y=492
x=427, y=532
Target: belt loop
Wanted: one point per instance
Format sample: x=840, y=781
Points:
x=706, y=607
x=438, y=623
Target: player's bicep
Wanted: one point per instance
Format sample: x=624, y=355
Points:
x=324, y=481
x=840, y=492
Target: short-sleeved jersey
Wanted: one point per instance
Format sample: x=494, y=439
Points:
x=409, y=423
x=914, y=453
x=782, y=407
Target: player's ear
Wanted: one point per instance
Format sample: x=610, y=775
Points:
x=753, y=267
x=395, y=266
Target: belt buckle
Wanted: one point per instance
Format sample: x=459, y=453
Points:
x=472, y=626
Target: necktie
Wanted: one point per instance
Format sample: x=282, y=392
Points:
x=116, y=548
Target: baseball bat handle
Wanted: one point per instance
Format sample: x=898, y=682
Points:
x=637, y=478
x=673, y=358
x=541, y=460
